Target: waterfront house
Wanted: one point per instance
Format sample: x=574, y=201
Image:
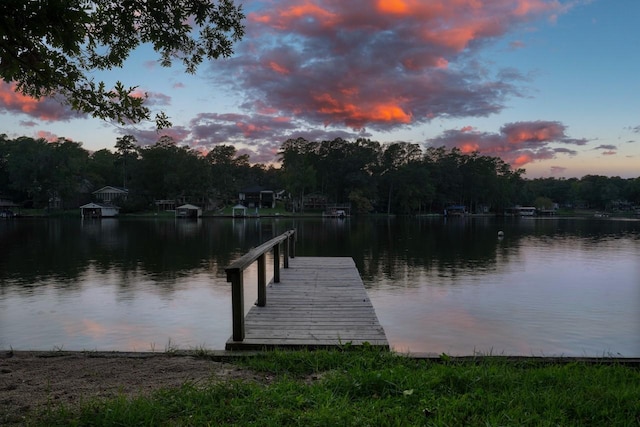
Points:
x=7, y=208
x=110, y=194
x=257, y=197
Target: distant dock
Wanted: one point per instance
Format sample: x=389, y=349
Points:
x=317, y=302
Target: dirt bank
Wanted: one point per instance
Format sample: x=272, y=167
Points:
x=29, y=381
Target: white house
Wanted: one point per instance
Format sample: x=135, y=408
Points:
x=111, y=194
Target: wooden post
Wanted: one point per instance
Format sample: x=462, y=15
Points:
x=237, y=302
x=262, y=281
x=276, y=263
x=292, y=250
x=286, y=253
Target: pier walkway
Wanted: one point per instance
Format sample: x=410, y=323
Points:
x=317, y=302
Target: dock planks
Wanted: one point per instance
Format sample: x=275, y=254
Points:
x=319, y=302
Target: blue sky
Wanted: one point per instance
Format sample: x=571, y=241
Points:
x=549, y=86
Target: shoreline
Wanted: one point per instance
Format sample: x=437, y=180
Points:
x=224, y=356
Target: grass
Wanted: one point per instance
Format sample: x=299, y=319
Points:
x=378, y=388
x=279, y=210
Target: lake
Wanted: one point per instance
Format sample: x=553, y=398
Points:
x=550, y=286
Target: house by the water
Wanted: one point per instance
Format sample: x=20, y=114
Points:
x=110, y=195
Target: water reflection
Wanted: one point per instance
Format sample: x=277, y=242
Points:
x=39, y=252
x=548, y=286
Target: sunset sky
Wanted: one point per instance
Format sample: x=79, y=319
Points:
x=549, y=86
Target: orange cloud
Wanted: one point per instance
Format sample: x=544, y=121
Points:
x=278, y=68
x=522, y=160
x=357, y=116
x=389, y=113
x=527, y=7
x=46, y=109
x=308, y=9
x=469, y=147
x=281, y=19
x=12, y=99
x=544, y=132
x=396, y=7
x=329, y=104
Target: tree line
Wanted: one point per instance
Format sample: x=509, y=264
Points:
x=396, y=178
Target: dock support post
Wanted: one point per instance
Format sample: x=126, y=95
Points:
x=292, y=249
x=286, y=253
x=276, y=263
x=262, y=281
x=237, y=303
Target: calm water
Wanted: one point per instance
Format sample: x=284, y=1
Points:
x=549, y=287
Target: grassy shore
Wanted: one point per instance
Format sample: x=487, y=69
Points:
x=279, y=211
x=379, y=388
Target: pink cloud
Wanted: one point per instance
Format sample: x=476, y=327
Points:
x=517, y=143
x=557, y=170
x=261, y=135
x=46, y=135
x=279, y=68
x=46, y=109
x=532, y=132
x=526, y=7
x=380, y=65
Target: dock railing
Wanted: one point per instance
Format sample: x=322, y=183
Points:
x=235, y=275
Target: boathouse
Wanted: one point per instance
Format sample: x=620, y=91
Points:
x=99, y=210
x=188, y=211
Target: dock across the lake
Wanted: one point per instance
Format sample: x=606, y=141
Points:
x=317, y=302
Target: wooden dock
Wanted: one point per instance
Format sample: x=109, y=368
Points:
x=318, y=302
